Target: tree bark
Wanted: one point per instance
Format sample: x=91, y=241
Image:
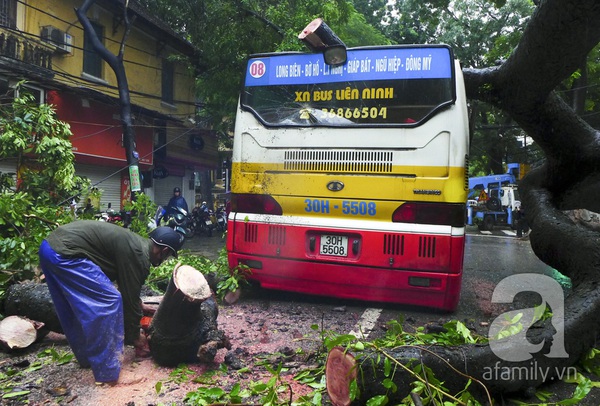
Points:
x=117, y=65
x=32, y=300
x=184, y=327
x=18, y=332
x=318, y=36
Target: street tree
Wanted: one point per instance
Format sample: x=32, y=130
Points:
x=35, y=198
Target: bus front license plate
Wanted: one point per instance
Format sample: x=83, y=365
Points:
x=336, y=245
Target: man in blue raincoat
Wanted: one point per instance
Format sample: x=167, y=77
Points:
x=80, y=262
x=177, y=200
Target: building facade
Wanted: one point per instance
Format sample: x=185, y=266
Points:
x=43, y=43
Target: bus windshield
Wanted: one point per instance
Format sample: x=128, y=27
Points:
x=377, y=87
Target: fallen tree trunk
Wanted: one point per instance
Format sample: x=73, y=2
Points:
x=32, y=300
x=454, y=365
x=184, y=327
x=18, y=332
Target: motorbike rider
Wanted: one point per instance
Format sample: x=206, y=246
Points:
x=204, y=207
x=176, y=201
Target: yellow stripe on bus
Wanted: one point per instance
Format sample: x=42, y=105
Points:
x=262, y=179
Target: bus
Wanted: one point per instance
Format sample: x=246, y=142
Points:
x=350, y=181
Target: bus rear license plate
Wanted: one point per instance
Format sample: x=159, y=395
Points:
x=336, y=245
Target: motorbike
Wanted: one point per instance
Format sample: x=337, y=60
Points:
x=221, y=216
x=122, y=218
x=204, y=220
x=178, y=219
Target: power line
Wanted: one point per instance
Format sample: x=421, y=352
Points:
x=77, y=80
x=127, y=166
x=71, y=24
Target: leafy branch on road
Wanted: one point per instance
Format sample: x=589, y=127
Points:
x=225, y=279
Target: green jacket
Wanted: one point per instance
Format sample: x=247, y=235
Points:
x=123, y=256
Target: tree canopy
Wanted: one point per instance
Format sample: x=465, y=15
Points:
x=226, y=32
x=482, y=33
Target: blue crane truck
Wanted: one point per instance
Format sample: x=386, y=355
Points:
x=493, y=199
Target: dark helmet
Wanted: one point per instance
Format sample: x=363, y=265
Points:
x=176, y=190
x=167, y=237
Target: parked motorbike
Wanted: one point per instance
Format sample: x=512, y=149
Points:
x=177, y=218
x=122, y=218
x=221, y=216
x=204, y=219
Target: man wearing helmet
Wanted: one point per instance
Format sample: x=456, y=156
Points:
x=177, y=201
x=80, y=262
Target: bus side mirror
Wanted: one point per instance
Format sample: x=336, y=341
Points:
x=318, y=37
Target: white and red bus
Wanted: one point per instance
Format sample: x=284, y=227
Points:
x=350, y=181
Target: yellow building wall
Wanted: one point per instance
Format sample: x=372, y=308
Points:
x=142, y=56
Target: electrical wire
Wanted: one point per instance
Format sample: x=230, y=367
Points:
x=72, y=24
x=70, y=198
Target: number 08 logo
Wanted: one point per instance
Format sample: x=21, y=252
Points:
x=257, y=69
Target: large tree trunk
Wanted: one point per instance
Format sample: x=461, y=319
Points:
x=454, y=365
x=32, y=300
x=116, y=62
x=184, y=327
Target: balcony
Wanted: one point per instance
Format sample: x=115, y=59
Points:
x=25, y=54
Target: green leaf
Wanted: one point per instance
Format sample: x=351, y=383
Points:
x=16, y=394
x=378, y=400
x=387, y=367
x=464, y=332
x=516, y=318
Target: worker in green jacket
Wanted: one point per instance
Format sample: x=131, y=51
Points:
x=82, y=262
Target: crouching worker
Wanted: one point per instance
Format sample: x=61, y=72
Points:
x=80, y=261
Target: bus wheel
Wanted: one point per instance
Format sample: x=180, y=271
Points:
x=488, y=223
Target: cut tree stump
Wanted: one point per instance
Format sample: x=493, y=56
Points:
x=18, y=332
x=341, y=371
x=32, y=300
x=184, y=327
